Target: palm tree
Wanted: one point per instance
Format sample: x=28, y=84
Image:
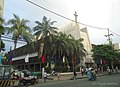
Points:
x=2, y=30
x=45, y=30
x=67, y=45
x=19, y=30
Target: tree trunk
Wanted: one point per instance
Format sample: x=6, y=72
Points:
x=0, y=43
x=15, y=44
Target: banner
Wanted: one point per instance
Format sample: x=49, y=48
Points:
x=100, y=61
x=54, y=59
x=104, y=61
x=43, y=59
x=27, y=58
x=63, y=59
x=10, y=61
x=41, y=50
x=0, y=58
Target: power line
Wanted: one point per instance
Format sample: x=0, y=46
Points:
x=63, y=16
x=54, y=6
x=69, y=18
x=114, y=33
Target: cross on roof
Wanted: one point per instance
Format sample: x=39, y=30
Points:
x=75, y=17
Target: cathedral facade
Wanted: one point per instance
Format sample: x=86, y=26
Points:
x=74, y=29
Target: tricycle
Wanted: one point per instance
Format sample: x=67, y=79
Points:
x=91, y=75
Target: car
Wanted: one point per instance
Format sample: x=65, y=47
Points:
x=27, y=78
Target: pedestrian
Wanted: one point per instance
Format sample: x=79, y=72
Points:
x=45, y=76
x=116, y=69
x=86, y=70
x=108, y=69
x=94, y=74
x=75, y=74
x=35, y=75
x=58, y=75
x=82, y=71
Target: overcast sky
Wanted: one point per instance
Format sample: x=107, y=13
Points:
x=97, y=13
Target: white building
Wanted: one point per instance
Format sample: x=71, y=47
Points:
x=1, y=7
x=117, y=46
x=78, y=33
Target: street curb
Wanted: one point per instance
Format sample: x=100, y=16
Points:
x=82, y=77
x=99, y=75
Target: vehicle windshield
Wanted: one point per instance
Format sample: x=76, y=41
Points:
x=27, y=73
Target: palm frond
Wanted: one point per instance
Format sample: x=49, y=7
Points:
x=53, y=22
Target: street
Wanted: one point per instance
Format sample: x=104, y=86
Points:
x=103, y=81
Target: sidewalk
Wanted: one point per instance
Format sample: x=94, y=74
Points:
x=69, y=76
x=98, y=74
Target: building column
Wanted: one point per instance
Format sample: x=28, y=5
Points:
x=24, y=66
x=34, y=67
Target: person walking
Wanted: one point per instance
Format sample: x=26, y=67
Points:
x=93, y=74
x=109, y=71
x=75, y=74
x=45, y=76
x=116, y=69
x=35, y=75
x=86, y=70
x=58, y=75
x=82, y=71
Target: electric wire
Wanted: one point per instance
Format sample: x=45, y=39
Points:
x=62, y=15
x=115, y=33
x=68, y=18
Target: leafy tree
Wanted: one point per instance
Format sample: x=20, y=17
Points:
x=2, y=31
x=104, y=52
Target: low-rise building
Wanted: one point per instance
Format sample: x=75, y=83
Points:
x=117, y=46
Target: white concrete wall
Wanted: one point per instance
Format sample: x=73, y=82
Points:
x=72, y=29
x=24, y=56
x=75, y=31
x=117, y=46
x=87, y=44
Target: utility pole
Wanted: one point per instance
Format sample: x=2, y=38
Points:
x=109, y=39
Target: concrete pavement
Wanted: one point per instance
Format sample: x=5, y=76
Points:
x=69, y=76
x=64, y=78
x=103, y=81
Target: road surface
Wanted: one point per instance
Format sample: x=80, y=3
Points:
x=103, y=81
